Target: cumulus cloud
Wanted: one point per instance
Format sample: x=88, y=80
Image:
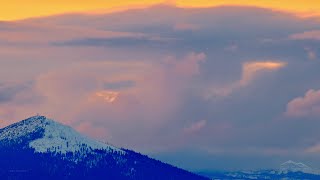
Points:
x=189, y=66
x=99, y=97
x=307, y=106
x=250, y=71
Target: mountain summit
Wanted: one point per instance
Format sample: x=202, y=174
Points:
x=40, y=148
x=291, y=166
x=55, y=137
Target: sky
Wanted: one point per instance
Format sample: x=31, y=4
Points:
x=192, y=83
x=21, y=9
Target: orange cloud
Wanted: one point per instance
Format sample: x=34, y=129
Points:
x=250, y=71
x=302, y=8
x=19, y=9
x=109, y=96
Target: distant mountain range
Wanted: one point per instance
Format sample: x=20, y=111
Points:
x=288, y=170
x=40, y=148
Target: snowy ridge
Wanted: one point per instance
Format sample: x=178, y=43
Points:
x=21, y=129
x=57, y=137
x=291, y=166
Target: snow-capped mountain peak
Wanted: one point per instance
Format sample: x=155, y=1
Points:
x=291, y=166
x=44, y=149
x=21, y=129
x=55, y=137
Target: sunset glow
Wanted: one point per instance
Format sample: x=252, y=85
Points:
x=199, y=84
x=109, y=96
x=19, y=9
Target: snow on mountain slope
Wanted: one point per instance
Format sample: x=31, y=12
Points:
x=291, y=166
x=56, y=138
x=21, y=129
x=49, y=150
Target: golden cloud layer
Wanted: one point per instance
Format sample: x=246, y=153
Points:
x=19, y=9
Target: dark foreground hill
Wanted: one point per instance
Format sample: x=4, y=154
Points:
x=40, y=148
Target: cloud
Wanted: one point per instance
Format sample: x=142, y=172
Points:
x=117, y=41
x=313, y=149
x=93, y=129
x=189, y=66
x=132, y=79
x=109, y=96
x=151, y=103
x=307, y=35
x=119, y=85
x=307, y=106
x=311, y=53
x=185, y=27
x=8, y=91
x=135, y=96
x=250, y=71
x=232, y=48
x=45, y=34
x=195, y=127
x=297, y=7
x=17, y=98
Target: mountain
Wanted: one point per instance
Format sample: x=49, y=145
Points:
x=261, y=174
x=291, y=166
x=40, y=148
x=288, y=170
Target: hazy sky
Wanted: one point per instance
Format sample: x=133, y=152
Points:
x=197, y=85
